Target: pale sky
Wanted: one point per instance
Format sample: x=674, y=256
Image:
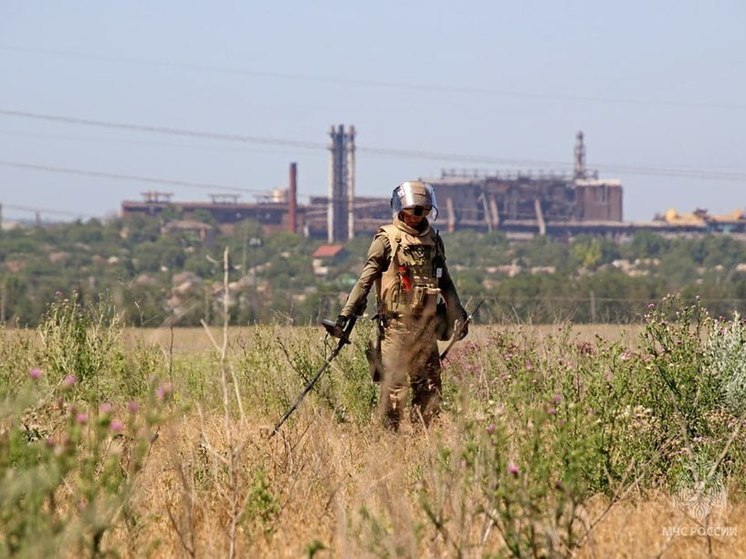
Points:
x=656, y=86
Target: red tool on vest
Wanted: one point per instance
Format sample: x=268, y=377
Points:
x=406, y=281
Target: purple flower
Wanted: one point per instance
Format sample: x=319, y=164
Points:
x=69, y=381
x=81, y=418
x=491, y=428
x=651, y=305
x=35, y=374
x=133, y=407
x=552, y=411
x=117, y=426
x=557, y=399
x=513, y=469
x=164, y=391
x=105, y=408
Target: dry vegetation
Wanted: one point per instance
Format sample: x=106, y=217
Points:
x=524, y=460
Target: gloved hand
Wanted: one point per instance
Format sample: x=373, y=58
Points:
x=342, y=322
x=462, y=326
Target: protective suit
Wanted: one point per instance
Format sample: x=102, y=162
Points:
x=417, y=304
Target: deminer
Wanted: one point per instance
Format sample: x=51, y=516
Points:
x=417, y=305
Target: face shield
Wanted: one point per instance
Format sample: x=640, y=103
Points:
x=413, y=195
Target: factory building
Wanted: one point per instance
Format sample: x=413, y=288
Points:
x=521, y=202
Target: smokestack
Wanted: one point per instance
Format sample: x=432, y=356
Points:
x=330, y=203
x=351, y=183
x=293, y=197
x=580, y=170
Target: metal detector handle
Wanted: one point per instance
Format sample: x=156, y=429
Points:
x=336, y=331
x=344, y=338
x=460, y=329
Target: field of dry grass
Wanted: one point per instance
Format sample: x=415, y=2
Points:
x=186, y=340
x=342, y=490
x=332, y=483
x=353, y=491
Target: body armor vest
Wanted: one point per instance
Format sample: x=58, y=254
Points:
x=409, y=286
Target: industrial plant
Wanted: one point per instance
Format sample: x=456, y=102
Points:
x=518, y=203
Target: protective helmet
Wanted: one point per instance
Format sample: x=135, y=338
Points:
x=412, y=194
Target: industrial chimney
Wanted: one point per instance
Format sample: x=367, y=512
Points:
x=293, y=198
x=340, y=220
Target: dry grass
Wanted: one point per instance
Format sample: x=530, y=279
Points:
x=190, y=340
x=353, y=490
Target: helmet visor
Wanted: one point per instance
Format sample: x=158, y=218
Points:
x=416, y=195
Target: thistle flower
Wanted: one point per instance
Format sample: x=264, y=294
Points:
x=105, y=408
x=133, y=407
x=164, y=391
x=513, y=469
x=35, y=373
x=69, y=381
x=117, y=426
x=81, y=418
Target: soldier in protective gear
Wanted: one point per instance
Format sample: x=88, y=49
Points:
x=417, y=305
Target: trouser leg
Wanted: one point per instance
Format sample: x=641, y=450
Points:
x=394, y=384
x=426, y=389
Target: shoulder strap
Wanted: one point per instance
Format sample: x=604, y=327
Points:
x=439, y=247
x=394, y=236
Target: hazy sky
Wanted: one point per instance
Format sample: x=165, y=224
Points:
x=657, y=87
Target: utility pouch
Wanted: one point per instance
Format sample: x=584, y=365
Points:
x=418, y=298
x=375, y=363
x=443, y=326
x=373, y=351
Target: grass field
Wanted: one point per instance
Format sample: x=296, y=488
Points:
x=554, y=441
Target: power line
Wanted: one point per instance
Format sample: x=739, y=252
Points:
x=165, y=130
x=386, y=152
x=390, y=152
x=421, y=87
x=100, y=140
x=35, y=209
x=137, y=178
x=118, y=176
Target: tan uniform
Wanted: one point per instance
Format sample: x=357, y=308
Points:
x=409, y=270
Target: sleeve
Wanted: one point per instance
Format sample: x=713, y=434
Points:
x=375, y=264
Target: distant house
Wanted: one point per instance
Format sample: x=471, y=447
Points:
x=324, y=256
x=203, y=231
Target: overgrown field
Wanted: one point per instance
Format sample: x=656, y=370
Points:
x=552, y=442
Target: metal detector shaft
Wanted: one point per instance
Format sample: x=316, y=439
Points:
x=461, y=327
x=344, y=339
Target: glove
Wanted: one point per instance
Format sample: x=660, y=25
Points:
x=462, y=326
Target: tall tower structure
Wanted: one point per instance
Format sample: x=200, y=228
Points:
x=293, y=198
x=580, y=169
x=340, y=218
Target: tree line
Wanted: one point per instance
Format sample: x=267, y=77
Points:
x=156, y=274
